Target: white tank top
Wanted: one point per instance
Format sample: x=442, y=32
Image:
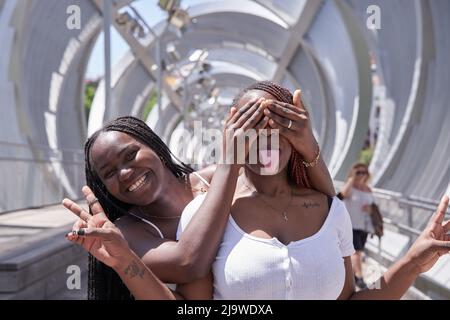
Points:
x=247, y=267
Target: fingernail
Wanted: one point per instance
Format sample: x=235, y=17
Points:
x=266, y=118
x=266, y=111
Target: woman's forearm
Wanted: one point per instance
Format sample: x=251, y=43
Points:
x=393, y=284
x=200, y=240
x=320, y=178
x=318, y=175
x=345, y=190
x=140, y=280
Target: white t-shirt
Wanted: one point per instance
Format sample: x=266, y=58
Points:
x=354, y=203
x=248, y=267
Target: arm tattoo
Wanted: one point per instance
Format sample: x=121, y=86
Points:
x=310, y=204
x=134, y=270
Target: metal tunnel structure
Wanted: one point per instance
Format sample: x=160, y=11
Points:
x=347, y=72
x=324, y=47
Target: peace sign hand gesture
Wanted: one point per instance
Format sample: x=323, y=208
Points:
x=434, y=240
x=96, y=233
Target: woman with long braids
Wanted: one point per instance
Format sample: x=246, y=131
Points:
x=132, y=177
x=282, y=240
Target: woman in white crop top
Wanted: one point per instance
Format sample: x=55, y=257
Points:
x=282, y=240
x=248, y=266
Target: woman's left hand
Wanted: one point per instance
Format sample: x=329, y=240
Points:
x=433, y=241
x=294, y=123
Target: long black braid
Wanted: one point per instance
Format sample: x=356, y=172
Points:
x=296, y=170
x=103, y=282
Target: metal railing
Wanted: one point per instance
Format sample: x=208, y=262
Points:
x=407, y=215
x=412, y=214
x=38, y=175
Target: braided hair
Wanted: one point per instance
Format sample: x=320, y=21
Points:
x=103, y=282
x=296, y=170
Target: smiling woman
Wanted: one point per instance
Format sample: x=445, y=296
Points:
x=130, y=170
x=140, y=185
x=109, y=154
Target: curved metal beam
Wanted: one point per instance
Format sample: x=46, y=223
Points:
x=424, y=53
x=361, y=110
x=309, y=10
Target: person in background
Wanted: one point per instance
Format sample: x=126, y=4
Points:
x=358, y=199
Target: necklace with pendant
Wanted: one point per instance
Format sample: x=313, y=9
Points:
x=283, y=212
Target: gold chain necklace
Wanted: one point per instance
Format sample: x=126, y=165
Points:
x=284, y=213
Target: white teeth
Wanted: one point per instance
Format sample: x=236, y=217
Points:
x=138, y=183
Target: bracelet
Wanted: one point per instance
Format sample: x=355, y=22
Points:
x=314, y=162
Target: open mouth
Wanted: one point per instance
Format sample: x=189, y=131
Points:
x=139, y=183
x=270, y=160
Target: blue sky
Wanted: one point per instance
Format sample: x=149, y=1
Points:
x=149, y=10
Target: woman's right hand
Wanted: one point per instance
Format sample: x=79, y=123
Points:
x=237, y=127
x=96, y=233
x=433, y=242
x=352, y=177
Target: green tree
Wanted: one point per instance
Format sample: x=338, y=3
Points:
x=150, y=104
x=89, y=92
x=366, y=155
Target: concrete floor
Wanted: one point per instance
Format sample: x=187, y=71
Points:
x=35, y=256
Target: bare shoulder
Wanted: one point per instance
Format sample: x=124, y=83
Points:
x=125, y=222
x=207, y=172
x=129, y=226
x=135, y=230
x=242, y=201
x=309, y=194
x=311, y=200
x=141, y=238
